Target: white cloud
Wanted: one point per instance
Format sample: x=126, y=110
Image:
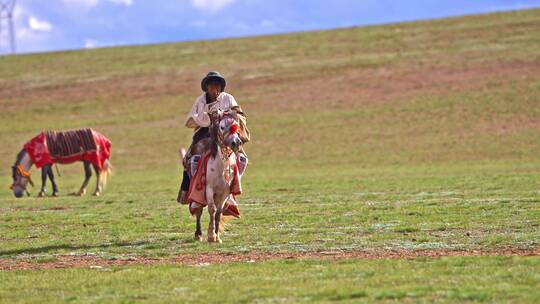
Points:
x=90, y=44
x=38, y=25
x=31, y=34
x=211, y=6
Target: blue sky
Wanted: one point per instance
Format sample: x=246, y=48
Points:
x=49, y=25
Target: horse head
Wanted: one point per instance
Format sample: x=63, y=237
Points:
x=21, y=178
x=226, y=130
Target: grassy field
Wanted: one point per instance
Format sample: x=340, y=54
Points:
x=403, y=137
x=508, y=280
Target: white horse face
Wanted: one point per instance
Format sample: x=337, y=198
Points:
x=228, y=129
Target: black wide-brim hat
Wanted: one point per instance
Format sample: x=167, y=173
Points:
x=213, y=76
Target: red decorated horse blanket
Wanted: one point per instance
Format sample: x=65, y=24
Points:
x=66, y=147
x=197, y=190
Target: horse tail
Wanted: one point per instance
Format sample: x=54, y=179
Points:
x=223, y=220
x=107, y=170
x=182, y=153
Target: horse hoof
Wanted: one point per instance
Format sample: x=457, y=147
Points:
x=198, y=238
x=41, y=194
x=96, y=193
x=212, y=239
x=55, y=193
x=80, y=193
x=218, y=240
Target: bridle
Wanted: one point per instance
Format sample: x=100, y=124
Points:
x=20, y=171
x=226, y=151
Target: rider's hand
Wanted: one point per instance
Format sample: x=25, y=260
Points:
x=216, y=113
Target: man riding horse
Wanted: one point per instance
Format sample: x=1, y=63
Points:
x=211, y=104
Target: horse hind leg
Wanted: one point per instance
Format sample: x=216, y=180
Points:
x=198, y=232
x=51, y=177
x=87, y=176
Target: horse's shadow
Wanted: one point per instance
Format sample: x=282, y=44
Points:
x=46, y=249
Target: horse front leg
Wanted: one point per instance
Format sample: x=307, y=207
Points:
x=98, y=181
x=219, y=214
x=51, y=177
x=212, y=236
x=198, y=232
x=44, y=170
x=87, y=176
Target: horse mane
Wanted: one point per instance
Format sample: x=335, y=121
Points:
x=18, y=159
x=20, y=155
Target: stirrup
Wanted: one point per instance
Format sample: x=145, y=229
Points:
x=194, y=161
x=242, y=163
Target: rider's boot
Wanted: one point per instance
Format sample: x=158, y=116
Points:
x=182, y=193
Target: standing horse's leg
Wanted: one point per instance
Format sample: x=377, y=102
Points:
x=219, y=212
x=51, y=177
x=87, y=176
x=44, y=170
x=212, y=237
x=198, y=232
x=98, y=181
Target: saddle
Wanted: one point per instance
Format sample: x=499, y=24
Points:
x=200, y=147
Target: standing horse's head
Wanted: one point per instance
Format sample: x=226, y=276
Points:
x=21, y=178
x=227, y=131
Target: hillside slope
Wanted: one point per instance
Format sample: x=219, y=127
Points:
x=432, y=93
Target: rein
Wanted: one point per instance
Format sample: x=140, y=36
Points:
x=226, y=153
x=23, y=173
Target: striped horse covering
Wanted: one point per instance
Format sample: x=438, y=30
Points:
x=67, y=143
x=65, y=147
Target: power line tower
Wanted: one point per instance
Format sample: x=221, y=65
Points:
x=6, y=19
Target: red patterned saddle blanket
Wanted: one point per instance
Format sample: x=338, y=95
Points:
x=197, y=190
x=66, y=147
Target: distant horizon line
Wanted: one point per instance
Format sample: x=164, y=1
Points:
x=165, y=42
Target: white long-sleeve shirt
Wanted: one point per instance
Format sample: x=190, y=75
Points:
x=198, y=117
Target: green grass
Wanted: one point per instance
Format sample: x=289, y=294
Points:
x=410, y=212
x=509, y=280
x=422, y=135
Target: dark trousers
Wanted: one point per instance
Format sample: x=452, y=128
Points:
x=202, y=133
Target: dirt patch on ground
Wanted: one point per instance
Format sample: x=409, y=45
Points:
x=354, y=87
x=205, y=259
x=349, y=86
